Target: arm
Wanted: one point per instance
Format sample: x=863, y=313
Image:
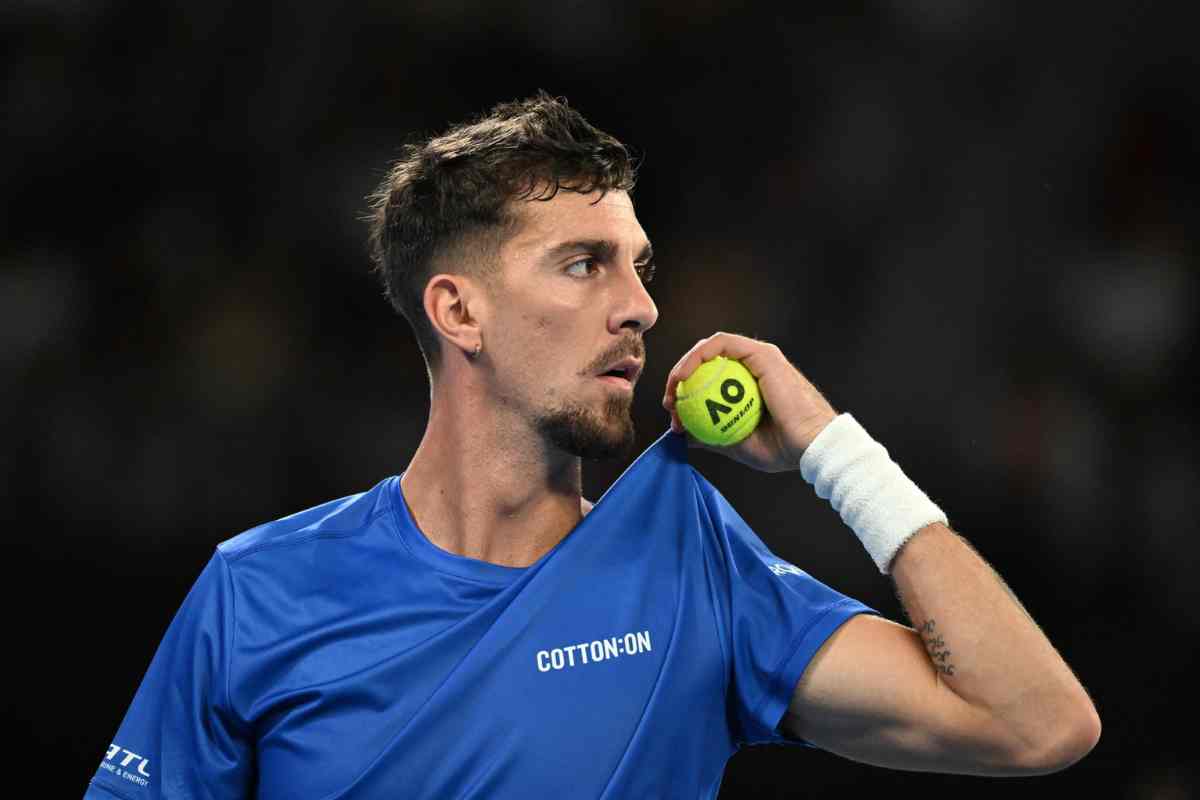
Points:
x=976, y=688
x=180, y=737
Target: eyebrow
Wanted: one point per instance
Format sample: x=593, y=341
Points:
x=602, y=249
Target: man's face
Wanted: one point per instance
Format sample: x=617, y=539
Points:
x=569, y=304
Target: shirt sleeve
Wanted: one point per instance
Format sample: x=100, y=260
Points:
x=180, y=737
x=774, y=616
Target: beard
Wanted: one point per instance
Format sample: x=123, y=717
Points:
x=590, y=433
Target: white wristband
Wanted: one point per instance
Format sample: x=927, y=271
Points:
x=870, y=492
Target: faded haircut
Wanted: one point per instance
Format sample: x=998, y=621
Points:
x=447, y=202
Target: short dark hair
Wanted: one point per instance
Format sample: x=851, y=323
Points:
x=451, y=195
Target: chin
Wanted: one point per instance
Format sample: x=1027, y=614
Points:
x=590, y=433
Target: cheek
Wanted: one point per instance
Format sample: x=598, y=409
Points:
x=550, y=351
x=537, y=341
x=547, y=328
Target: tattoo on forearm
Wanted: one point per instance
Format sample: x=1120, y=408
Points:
x=936, y=646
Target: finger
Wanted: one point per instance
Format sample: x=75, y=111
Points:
x=742, y=348
x=730, y=345
x=687, y=364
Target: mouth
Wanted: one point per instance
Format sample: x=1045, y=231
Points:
x=623, y=374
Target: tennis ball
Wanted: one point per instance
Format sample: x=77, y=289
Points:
x=719, y=403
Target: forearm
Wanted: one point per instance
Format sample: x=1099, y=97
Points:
x=986, y=648
x=1015, y=696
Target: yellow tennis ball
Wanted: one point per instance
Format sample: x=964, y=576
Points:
x=719, y=403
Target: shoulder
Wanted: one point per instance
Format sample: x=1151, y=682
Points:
x=292, y=574
x=340, y=518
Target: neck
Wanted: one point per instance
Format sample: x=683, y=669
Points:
x=482, y=484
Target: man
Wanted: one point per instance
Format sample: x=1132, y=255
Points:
x=475, y=628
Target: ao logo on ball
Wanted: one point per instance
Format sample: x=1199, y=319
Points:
x=732, y=391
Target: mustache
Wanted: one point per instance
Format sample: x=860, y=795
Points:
x=628, y=347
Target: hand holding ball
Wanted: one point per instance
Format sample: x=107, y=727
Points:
x=719, y=403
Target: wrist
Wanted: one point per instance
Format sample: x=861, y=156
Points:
x=811, y=430
x=869, y=491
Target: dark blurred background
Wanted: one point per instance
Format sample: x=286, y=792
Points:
x=973, y=225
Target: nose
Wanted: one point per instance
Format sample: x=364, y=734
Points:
x=635, y=309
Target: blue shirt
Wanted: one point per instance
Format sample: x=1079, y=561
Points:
x=337, y=653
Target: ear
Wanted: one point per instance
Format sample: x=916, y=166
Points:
x=455, y=306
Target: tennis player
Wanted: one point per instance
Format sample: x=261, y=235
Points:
x=474, y=628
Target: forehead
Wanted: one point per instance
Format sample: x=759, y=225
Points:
x=570, y=215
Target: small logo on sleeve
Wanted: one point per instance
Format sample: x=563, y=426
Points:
x=784, y=568
x=126, y=764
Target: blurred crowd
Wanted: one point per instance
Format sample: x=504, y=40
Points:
x=972, y=225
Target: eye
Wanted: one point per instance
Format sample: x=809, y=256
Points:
x=646, y=271
x=588, y=263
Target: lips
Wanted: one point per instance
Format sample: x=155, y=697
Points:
x=627, y=369
x=616, y=382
